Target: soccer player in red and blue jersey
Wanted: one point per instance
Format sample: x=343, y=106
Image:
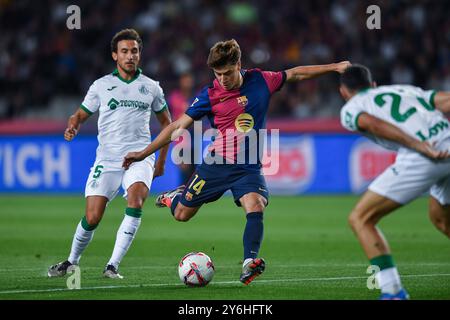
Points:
x=236, y=103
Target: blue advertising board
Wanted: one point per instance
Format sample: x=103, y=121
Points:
x=305, y=163
x=51, y=164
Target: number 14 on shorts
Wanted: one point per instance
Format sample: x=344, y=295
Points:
x=197, y=186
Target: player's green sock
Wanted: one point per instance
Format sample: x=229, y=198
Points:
x=125, y=235
x=388, y=277
x=83, y=235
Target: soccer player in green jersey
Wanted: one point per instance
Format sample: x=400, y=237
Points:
x=125, y=100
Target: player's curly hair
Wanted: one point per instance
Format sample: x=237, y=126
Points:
x=125, y=34
x=224, y=53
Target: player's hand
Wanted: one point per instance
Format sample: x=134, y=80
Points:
x=130, y=158
x=429, y=151
x=342, y=66
x=70, y=133
x=159, y=169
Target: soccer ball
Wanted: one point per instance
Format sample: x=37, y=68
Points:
x=196, y=269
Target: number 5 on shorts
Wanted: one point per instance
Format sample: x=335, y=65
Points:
x=97, y=171
x=197, y=187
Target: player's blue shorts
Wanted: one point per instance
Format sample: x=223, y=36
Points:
x=210, y=181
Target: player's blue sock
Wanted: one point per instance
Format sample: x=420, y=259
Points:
x=174, y=204
x=253, y=234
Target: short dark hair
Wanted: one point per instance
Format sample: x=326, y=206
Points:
x=224, y=53
x=125, y=34
x=357, y=77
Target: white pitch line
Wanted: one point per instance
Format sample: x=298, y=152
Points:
x=214, y=283
x=305, y=265
x=93, y=288
x=221, y=267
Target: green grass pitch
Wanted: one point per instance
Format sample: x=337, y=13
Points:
x=310, y=251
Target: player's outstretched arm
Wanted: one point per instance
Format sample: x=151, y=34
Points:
x=168, y=134
x=308, y=72
x=442, y=101
x=385, y=130
x=164, y=120
x=74, y=122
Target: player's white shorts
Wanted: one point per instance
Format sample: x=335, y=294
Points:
x=411, y=176
x=106, y=177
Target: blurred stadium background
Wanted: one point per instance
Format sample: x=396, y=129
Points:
x=46, y=69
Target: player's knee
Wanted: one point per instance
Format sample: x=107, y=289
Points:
x=356, y=220
x=360, y=218
x=353, y=220
x=256, y=205
x=182, y=215
x=259, y=207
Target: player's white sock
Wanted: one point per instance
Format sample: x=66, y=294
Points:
x=80, y=241
x=389, y=280
x=125, y=236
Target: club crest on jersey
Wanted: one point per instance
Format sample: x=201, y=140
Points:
x=144, y=90
x=244, y=122
x=113, y=103
x=242, y=100
x=94, y=184
x=188, y=196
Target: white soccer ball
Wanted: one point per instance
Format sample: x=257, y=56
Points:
x=196, y=269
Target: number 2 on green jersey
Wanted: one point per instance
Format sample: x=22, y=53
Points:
x=395, y=106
